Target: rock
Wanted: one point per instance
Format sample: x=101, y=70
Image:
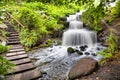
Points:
x=98, y=48
x=87, y=53
x=83, y=67
x=76, y=50
x=82, y=48
x=80, y=53
x=66, y=24
x=85, y=46
x=70, y=50
x=63, y=18
x=93, y=54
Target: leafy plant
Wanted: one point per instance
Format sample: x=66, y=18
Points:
x=30, y=38
x=3, y=48
x=112, y=46
x=5, y=66
x=92, y=20
x=116, y=10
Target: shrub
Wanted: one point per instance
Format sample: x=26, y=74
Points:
x=92, y=20
x=30, y=38
x=5, y=66
x=3, y=48
x=112, y=46
x=116, y=9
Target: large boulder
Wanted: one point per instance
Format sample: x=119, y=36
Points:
x=83, y=67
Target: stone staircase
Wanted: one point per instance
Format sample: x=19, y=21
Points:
x=24, y=68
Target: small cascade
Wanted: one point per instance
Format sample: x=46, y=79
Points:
x=79, y=38
x=77, y=35
x=76, y=25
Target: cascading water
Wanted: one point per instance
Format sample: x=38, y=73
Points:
x=76, y=35
x=56, y=62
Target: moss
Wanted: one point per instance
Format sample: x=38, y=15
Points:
x=70, y=50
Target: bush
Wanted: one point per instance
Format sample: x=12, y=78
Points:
x=112, y=46
x=93, y=20
x=116, y=10
x=5, y=66
x=3, y=48
x=30, y=38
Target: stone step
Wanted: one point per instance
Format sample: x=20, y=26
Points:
x=14, y=42
x=12, y=58
x=13, y=32
x=22, y=68
x=15, y=53
x=13, y=37
x=16, y=46
x=16, y=50
x=28, y=75
x=21, y=61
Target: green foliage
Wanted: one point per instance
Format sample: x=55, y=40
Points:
x=5, y=65
x=3, y=35
x=3, y=48
x=92, y=20
x=116, y=10
x=112, y=46
x=49, y=42
x=30, y=38
x=96, y=10
x=52, y=10
x=112, y=41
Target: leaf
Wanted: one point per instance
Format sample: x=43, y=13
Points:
x=96, y=3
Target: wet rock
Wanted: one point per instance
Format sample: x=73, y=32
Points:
x=43, y=72
x=83, y=67
x=98, y=48
x=60, y=47
x=82, y=48
x=86, y=46
x=76, y=50
x=70, y=50
x=93, y=54
x=66, y=24
x=87, y=53
x=80, y=53
x=63, y=18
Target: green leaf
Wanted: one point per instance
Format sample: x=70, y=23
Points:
x=96, y=3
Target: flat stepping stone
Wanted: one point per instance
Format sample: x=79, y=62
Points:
x=16, y=46
x=28, y=75
x=13, y=32
x=11, y=58
x=14, y=42
x=16, y=39
x=15, y=53
x=12, y=37
x=22, y=68
x=16, y=50
x=21, y=61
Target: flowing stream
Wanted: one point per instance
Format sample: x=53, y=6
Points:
x=55, y=62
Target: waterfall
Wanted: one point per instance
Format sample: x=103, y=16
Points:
x=55, y=62
x=77, y=35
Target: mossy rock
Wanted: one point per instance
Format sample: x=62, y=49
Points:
x=70, y=50
x=80, y=53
